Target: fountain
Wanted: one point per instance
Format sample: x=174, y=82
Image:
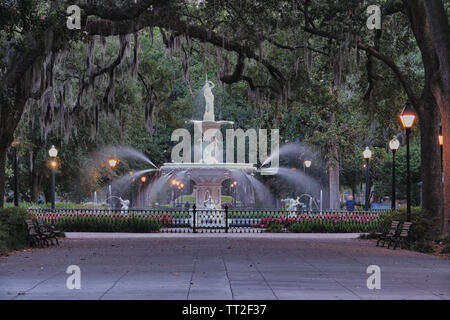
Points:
x=210, y=171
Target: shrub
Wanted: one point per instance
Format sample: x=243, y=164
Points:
x=13, y=231
x=425, y=227
x=108, y=224
x=274, y=227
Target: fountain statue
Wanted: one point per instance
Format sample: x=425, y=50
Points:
x=210, y=171
x=209, y=98
x=292, y=203
x=124, y=203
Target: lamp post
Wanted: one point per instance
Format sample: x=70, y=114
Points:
x=175, y=185
x=367, y=154
x=233, y=188
x=394, y=144
x=112, y=162
x=143, y=180
x=307, y=165
x=407, y=118
x=53, y=153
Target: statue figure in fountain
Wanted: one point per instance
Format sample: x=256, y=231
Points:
x=209, y=98
x=209, y=204
x=124, y=203
x=292, y=203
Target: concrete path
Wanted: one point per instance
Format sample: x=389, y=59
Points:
x=221, y=267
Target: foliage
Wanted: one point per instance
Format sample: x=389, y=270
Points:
x=13, y=231
x=275, y=227
x=307, y=223
x=60, y=205
x=108, y=224
x=423, y=229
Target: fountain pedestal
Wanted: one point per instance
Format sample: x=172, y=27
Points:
x=210, y=171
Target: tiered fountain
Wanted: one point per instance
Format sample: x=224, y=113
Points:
x=210, y=171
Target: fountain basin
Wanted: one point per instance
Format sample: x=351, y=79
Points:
x=208, y=178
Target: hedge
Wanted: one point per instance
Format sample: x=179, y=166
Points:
x=13, y=231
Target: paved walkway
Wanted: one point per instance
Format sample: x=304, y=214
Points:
x=208, y=267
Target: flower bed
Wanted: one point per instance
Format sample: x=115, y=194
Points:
x=85, y=222
x=325, y=222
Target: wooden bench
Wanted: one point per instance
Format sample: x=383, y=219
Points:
x=388, y=235
x=402, y=237
x=48, y=230
x=34, y=236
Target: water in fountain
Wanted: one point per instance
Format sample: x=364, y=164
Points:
x=294, y=150
x=126, y=152
x=249, y=184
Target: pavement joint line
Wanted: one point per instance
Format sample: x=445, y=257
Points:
x=192, y=275
x=326, y=274
x=226, y=272
x=114, y=284
x=37, y=284
x=261, y=274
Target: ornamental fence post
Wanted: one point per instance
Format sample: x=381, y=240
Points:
x=194, y=213
x=226, y=219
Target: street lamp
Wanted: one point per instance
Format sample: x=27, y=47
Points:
x=394, y=144
x=407, y=118
x=233, y=186
x=307, y=164
x=367, y=155
x=113, y=162
x=143, y=179
x=53, y=153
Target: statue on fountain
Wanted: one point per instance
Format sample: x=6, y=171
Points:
x=209, y=98
x=124, y=203
x=209, y=204
x=292, y=203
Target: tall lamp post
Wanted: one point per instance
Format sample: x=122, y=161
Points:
x=233, y=188
x=367, y=155
x=112, y=162
x=307, y=165
x=53, y=153
x=143, y=180
x=407, y=118
x=394, y=144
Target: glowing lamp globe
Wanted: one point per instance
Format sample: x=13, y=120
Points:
x=113, y=162
x=53, y=152
x=394, y=144
x=408, y=116
x=367, y=153
x=307, y=163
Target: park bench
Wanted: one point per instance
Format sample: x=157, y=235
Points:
x=385, y=236
x=49, y=231
x=402, y=237
x=34, y=236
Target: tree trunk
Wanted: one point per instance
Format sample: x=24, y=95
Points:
x=2, y=175
x=430, y=155
x=445, y=113
x=35, y=185
x=431, y=29
x=334, y=186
